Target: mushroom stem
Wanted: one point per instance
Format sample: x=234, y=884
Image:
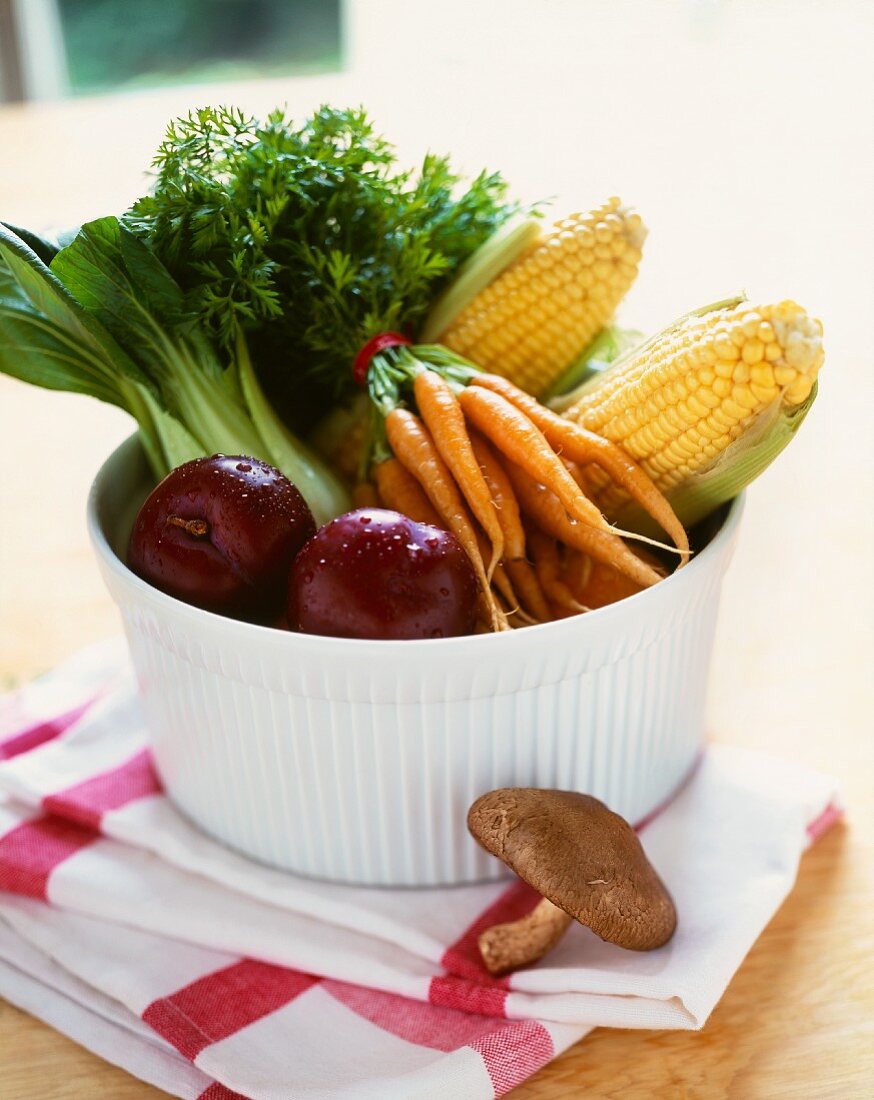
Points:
x=505, y=947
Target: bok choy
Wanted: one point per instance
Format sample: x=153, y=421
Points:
x=105, y=318
x=224, y=309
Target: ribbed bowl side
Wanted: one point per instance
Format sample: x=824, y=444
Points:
x=357, y=762
x=378, y=792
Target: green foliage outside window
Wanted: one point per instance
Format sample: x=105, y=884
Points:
x=114, y=43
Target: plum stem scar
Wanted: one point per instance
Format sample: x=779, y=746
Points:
x=198, y=528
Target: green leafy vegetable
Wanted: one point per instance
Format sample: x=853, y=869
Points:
x=115, y=277
x=268, y=252
x=107, y=320
x=308, y=238
x=48, y=338
x=46, y=248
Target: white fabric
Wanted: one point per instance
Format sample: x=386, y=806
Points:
x=728, y=849
x=154, y=905
x=32, y=982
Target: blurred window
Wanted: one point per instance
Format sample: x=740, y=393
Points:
x=119, y=43
x=31, y=50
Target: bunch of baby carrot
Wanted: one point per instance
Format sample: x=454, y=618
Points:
x=507, y=477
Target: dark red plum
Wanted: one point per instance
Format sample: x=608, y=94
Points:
x=374, y=573
x=221, y=533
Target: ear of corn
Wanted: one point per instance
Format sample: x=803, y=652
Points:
x=502, y=249
x=341, y=435
x=534, y=319
x=610, y=343
x=738, y=466
x=706, y=405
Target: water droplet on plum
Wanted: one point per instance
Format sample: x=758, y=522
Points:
x=381, y=575
x=241, y=568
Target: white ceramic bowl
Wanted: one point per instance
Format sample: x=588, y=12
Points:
x=356, y=760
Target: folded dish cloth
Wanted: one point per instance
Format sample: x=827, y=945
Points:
x=209, y=975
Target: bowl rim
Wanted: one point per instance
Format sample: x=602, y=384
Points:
x=294, y=641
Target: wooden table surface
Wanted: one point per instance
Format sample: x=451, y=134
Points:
x=743, y=133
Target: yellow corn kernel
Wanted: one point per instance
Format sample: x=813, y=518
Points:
x=753, y=352
x=697, y=387
x=763, y=375
x=741, y=373
x=721, y=387
x=575, y=275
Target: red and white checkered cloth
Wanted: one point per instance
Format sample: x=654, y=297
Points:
x=211, y=976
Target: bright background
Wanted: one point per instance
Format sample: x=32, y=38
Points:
x=744, y=133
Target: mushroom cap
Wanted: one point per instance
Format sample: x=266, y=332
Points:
x=583, y=857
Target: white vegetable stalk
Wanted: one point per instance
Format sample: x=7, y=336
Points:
x=320, y=486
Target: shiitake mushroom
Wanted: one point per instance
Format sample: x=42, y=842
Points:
x=585, y=860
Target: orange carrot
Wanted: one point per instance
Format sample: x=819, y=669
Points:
x=516, y=617
x=365, y=495
x=502, y=494
x=400, y=491
x=548, y=566
x=526, y=583
x=439, y=408
x=578, y=474
x=577, y=443
x=504, y=584
x=413, y=446
x=605, y=586
x=514, y=435
x=578, y=570
x=505, y=597
x=518, y=567
x=509, y=600
x=546, y=510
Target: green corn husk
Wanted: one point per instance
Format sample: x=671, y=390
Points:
x=489, y=260
x=602, y=352
x=730, y=473
x=591, y=366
